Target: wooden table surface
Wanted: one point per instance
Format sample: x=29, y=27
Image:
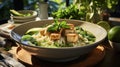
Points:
x=111, y=58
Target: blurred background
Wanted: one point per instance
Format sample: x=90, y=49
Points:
x=69, y=9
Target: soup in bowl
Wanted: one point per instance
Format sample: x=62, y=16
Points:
x=58, y=40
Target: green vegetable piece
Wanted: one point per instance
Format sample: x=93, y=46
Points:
x=33, y=31
x=30, y=39
x=91, y=38
x=14, y=12
x=63, y=24
x=26, y=37
x=27, y=14
x=52, y=29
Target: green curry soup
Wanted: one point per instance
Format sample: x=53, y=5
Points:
x=58, y=34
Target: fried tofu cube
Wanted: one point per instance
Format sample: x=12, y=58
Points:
x=71, y=26
x=69, y=31
x=42, y=32
x=55, y=36
x=72, y=37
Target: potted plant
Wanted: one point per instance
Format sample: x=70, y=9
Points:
x=88, y=10
x=71, y=12
x=94, y=8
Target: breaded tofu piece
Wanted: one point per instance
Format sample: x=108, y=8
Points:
x=69, y=31
x=71, y=26
x=44, y=32
x=55, y=36
x=72, y=37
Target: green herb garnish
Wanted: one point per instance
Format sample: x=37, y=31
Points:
x=57, y=26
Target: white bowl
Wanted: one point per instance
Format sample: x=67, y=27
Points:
x=59, y=54
x=23, y=20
